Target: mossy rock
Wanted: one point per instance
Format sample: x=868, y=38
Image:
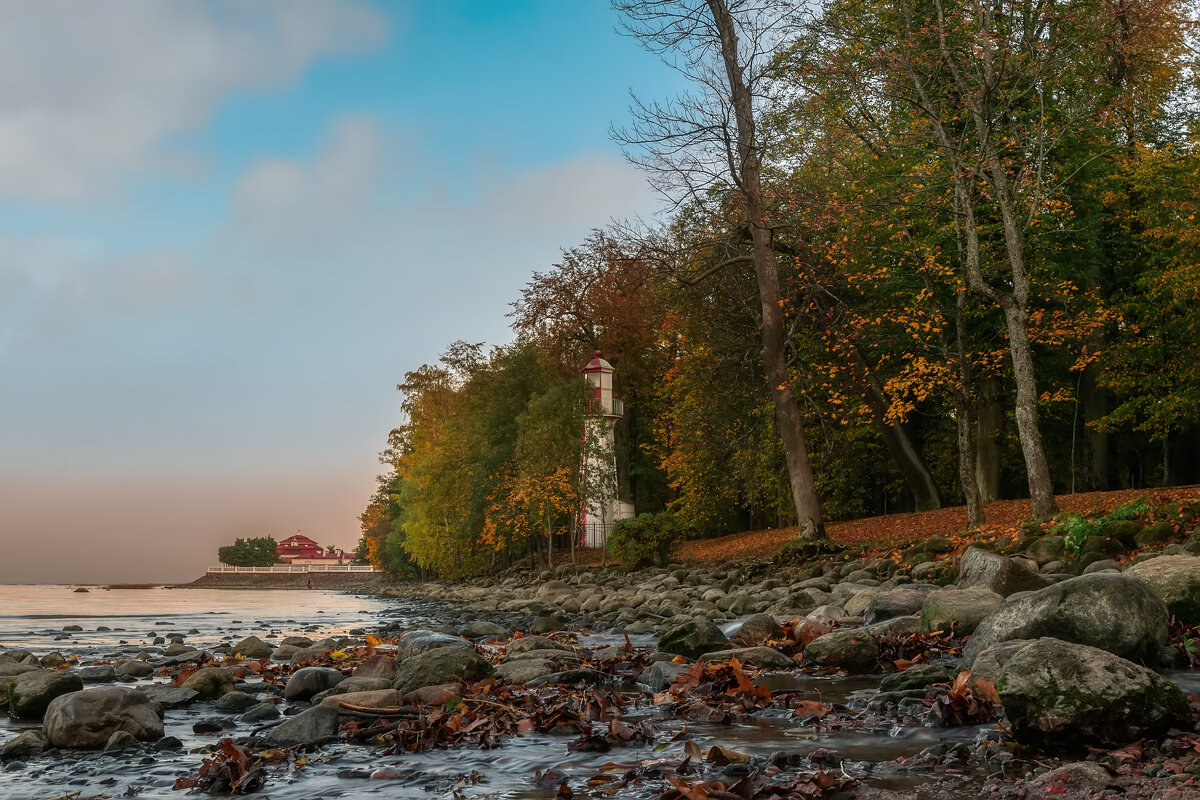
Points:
x=1158, y=533
x=1124, y=531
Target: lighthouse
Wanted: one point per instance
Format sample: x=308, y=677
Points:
x=601, y=507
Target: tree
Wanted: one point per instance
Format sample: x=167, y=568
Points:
x=256, y=552
x=712, y=139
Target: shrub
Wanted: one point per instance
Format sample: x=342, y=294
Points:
x=1075, y=529
x=646, y=539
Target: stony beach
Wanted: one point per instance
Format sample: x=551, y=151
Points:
x=821, y=672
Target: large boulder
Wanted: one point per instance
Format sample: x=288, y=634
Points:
x=1176, y=581
x=903, y=601
x=756, y=630
x=529, y=644
x=308, y=727
x=960, y=609
x=693, y=639
x=1110, y=611
x=755, y=656
x=306, y=682
x=1047, y=549
x=86, y=720
x=1060, y=694
x=440, y=665
x=980, y=569
x=853, y=650
x=169, y=696
x=416, y=642
x=30, y=693
x=252, y=647
x=209, y=683
x=27, y=743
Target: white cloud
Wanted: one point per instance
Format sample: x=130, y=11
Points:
x=90, y=92
x=282, y=202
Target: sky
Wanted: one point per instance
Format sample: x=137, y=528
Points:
x=228, y=229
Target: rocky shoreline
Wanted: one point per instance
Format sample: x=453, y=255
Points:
x=1034, y=680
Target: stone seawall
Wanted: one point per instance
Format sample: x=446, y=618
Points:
x=284, y=580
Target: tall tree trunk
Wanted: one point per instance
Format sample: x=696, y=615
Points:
x=1095, y=406
x=1041, y=488
x=968, y=474
x=787, y=412
x=987, y=440
x=900, y=448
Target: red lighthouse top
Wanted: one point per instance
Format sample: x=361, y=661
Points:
x=598, y=364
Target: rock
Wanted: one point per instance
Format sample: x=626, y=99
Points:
x=306, y=682
x=133, y=669
x=308, y=727
x=379, y=666
x=1103, y=565
x=1176, y=581
x=209, y=683
x=235, y=702
x=523, y=670
x=693, y=639
x=433, y=695
x=826, y=613
x=1113, y=612
x=1047, y=549
x=52, y=660
x=170, y=696
x=980, y=569
x=263, y=712
x=853, y=650
x=298, y=642
x=252, y=647
x=899, y=626
x=284, y=652
x=661, y=674
x=989, y=664
x=179, y=649
x=960, y=610
x=30, y=693
x=382, y=698
x=304, y=655
x=903, y=601
x=529, y=643
x=27, y=743
x=917, y=677
x=1060, y=694
x=440, y=665
x=121, y=741
x=480, y=629
x=571, y=677
x=545, y=624
x=86, y=720
x=1155, y=534
x=1078, y=775
x=357, y=684
x=756, y=656
x=756, y=630
x=421, y=641
x=98, y=673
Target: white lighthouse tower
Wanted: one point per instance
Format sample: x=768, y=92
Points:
x=601, y=506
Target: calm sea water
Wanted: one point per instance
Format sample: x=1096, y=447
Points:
x=33, y=617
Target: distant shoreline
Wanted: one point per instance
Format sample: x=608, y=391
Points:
x=284, y=580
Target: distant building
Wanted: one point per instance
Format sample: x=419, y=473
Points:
x=303, y=550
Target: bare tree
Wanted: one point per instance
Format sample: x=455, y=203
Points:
x=709, y=139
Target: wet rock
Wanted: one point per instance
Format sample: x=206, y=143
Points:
x=755, y=656
x=178, y=649
x=306, y=682
x=168, y=743
x=1079, y=775
x=523, y=670
x=693, y=639
x=440, y=665
x=86, y=720
x=308, y=727
x=133, y=669
x=305, y=654
x=30, y=693
x=284, y=652
x=980, y=569
x=357, y=684
x=480, y=629
x=1176, y=581
x=661, y=674
x=826, y=614
x=121, y=741
x=235, y=702
x=853, y=650
x=903, y=601
x=433, y=695
x=757, y=629
x=298, y=642
x=378, y=666
x=103, y=673
x=1059, y=694
x=960, y=610
x=414, y=643
x=917, y=677
x=545, y=625
x=252, y=647
x=263, y=712
x=170, y=696
x=209, y=683
x=26, y=744
x=528, y=644
x=1113, y=612
x=382, y=698
x=570, y=677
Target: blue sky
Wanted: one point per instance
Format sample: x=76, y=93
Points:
x=227, y=230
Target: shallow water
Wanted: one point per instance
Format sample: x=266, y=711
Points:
x=33, y=618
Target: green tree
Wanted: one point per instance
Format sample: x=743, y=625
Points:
x=254, y=552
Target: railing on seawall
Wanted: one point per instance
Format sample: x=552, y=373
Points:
x=284, y=569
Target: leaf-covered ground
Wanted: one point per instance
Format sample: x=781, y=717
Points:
x=900, y=530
